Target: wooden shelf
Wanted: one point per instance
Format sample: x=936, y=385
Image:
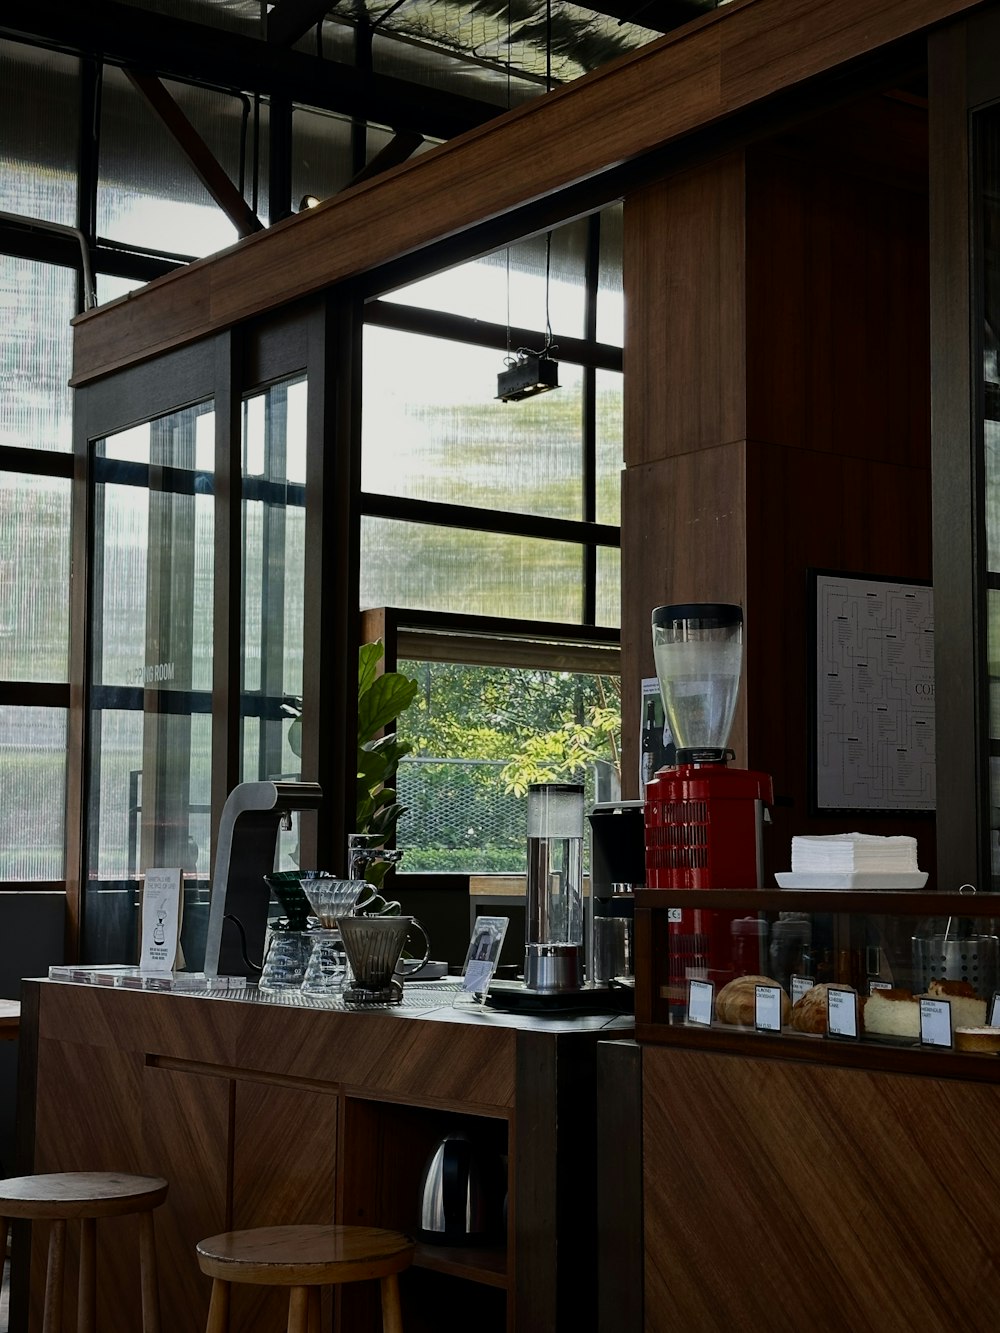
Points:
x=485, y=1265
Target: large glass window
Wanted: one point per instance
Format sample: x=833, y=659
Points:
x=32, y=793
x=39, y=140
x=274, y=473
x=34, y=576
x=151, y=665
x=37, y=302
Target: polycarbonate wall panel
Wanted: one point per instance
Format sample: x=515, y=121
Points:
x=424, y=567
x=34, y=577
x=610, y=447
x=485, y=82
x=39, y=142
x=321, y=154
x=37, y=302
x=508, y=287
x=433, y=430
x=32, y=793
x=609, y=586
x=148, y=193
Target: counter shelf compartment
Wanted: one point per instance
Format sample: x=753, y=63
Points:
x=381, y=1178
x=859, y=940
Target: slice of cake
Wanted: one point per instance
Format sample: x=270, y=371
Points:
x=986, y=1041
x=892, y=1013
x=967, y=1009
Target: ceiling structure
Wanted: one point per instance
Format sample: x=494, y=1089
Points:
x=435, y=67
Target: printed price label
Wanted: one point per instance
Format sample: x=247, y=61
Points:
x=842, y=1013
x=767, y=1008
x=935, y=1023
x=994, y=1018
x=873, y=986
x=701, y=999
x=799, y=987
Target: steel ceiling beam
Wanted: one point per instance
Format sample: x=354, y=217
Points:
x=291, y=19
x=198, y=153
x=176, y=48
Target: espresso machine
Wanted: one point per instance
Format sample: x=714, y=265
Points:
x=703, y=817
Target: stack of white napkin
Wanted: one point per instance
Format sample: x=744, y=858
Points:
x=848, y=853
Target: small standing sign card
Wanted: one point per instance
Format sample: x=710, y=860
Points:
x=701, y=997
x=161, y=920
x=842, y=1013
x=484, y=952
x=799, y=986
x=935, y=1023
x=767, y=1008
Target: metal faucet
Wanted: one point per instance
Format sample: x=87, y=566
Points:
x=248, y=837
x=365, y=850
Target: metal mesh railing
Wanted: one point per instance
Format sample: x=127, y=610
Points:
x=458, y=817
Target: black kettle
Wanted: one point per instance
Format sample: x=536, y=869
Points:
x=458, y=1194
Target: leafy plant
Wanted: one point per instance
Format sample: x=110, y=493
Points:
x=381, y=700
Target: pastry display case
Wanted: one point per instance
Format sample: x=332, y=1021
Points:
x=871, y=978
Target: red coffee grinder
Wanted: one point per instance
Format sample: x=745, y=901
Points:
x=704, y=820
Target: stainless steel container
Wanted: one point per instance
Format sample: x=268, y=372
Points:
x=972, y=959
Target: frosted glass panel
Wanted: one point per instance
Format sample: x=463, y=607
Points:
x=609, y=447
x=37, y=302
x=32, y=793
x=39, y=113
x=148, y=192
x=509, y=287
x=609, y=580
x=610, y=296
x=424, y=567
x=433, y=430
x=34, y=577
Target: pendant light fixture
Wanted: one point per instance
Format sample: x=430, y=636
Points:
x=529, y=372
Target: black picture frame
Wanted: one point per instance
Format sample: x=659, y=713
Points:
x=820, y=803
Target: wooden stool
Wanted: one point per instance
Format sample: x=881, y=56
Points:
x=86, y=1195
x=305, y=1258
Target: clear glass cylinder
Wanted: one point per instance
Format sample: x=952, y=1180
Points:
x=698, y=649
x=555, y=864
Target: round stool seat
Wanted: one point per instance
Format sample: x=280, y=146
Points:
x=70, y=1194
x=304, y=1256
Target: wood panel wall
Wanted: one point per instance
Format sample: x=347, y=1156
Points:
x=777, y=409
x=780, y=1196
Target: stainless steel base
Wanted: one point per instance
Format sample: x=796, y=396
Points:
x=553, y=968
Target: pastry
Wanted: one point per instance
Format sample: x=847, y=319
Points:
x=736, y=1002
x=967, y=1009
x=892, y=1013
x=809, y=1012
x=984, y=1040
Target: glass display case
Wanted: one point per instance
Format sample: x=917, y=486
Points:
x=870, y=974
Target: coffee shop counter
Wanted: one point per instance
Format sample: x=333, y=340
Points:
x=258, y=1113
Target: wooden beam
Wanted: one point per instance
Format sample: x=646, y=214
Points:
x=726, y=63
x=198, y=153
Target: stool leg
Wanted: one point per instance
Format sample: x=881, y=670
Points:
x=218, y=1311
x=86, y=1306
x=148, y=1275
x=52, y=1313
x=298, y=1310
x=392, y=1312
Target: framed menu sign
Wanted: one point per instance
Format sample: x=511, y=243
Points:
x=872, y=697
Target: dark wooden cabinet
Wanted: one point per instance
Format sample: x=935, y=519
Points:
x=259, y=1113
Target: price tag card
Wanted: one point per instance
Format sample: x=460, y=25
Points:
x=994, y=1018
x=842, y=1014
x=483, y=954
x=935, y=1023
x=799, y=987
x=873, y=986
x=767, y=1008
x=161, y=919
x=701, y=1002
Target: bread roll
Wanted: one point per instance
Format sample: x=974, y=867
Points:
x=736, y=1002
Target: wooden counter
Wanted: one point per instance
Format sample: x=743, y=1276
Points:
x=257, y=1113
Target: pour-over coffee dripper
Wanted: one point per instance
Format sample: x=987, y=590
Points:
x=331, y=899
x=374, y=945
